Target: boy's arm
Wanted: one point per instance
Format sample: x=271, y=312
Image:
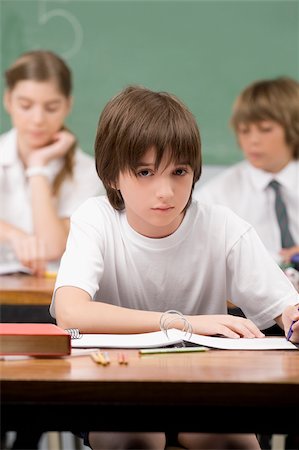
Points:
x=75, y=309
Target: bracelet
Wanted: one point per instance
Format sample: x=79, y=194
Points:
x=171, y=316
x=37, y=170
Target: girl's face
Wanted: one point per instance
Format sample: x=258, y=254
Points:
x=264, y=145
x=155, y=198
x=37, y=110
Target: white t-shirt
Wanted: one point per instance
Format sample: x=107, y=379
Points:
x=213, y=256
x=245, y=190
x=15, y=205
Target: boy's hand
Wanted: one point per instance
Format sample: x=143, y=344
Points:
x=287, y=253
x=63, y=140
x=290, y=318
x=226, y=325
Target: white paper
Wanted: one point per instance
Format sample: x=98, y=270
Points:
x=141, y=340
x=266, y=343
x=174, y=336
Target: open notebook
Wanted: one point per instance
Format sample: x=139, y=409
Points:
x=176, y=337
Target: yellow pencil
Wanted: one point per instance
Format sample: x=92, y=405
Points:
x=99, y=358
x=49, y=274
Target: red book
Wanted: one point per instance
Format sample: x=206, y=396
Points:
x=34, y=339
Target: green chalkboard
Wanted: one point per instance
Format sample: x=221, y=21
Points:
x=205, y=52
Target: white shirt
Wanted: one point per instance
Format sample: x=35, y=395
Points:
x=245, y=190
x=15, y=205
x=213, y=256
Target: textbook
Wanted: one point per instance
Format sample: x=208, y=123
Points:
x=34, y=339
x=175, y=337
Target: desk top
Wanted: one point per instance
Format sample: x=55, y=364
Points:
x=177, y=390
x=25, y=290
x=251, y=376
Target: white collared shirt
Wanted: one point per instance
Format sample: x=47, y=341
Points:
x=15, y=205
x=245, y=190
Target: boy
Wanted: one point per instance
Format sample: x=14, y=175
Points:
x=148, y=247
x=265, y=119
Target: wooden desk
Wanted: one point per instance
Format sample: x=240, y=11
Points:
x=25, y=290
x=219, y=391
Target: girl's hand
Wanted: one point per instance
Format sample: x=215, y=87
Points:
x=290, y=315
x=30, y=251
x=63, y=140
x=225, y=325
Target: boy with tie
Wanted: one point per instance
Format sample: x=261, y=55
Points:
x=264, y=188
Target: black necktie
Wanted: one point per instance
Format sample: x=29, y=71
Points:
x=282, y=217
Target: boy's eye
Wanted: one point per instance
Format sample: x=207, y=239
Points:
x=243, y=130
x=180, y=171
x=265, y=128
x=143, y=173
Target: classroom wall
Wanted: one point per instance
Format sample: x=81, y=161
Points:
x=203, y=51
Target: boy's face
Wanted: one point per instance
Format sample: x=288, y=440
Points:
x=264, y=145
x=155, y=198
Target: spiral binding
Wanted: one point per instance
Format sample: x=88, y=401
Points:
x=74, y=332
x=171, y=316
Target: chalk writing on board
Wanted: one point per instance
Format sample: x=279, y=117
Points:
x=44, y=15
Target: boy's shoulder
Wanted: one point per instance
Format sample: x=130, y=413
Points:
x=216, y=216
x=213, y=210
x=96, y=211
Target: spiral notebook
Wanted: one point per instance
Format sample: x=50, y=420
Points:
x=175, y=337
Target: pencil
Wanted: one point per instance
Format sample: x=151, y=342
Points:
x=49, y=274
x=152, y=351
x=290, y=332
x=99, y=358
x=107, y=357
x=122, y=359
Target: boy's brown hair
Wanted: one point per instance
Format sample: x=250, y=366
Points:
x=274, y=99
x=43, y=65
x=136, y=120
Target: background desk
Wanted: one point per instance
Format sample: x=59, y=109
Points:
x=221, y=391
x=25, y=298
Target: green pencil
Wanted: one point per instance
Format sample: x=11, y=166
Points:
x=152, y=351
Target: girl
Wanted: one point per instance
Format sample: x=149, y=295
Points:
x=44, y=175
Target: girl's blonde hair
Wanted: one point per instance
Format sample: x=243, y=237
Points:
x=41, y=65
x=136, y=120
x=274, y=99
